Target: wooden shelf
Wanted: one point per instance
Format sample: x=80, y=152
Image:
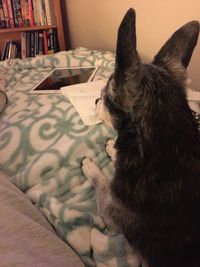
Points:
x=15, y=33
x=27, y=29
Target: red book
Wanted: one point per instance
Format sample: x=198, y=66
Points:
x=31, y=12
x=10, y=14
x=5, y=9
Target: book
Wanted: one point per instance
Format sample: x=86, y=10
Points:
x=10, y=50
x=36, y=33
x=16, y=7
x=44, y=16
x=32, y=44
x=51, y=41
x=7, y=50
x=50, y=51
x=31, y=13
x=83, y=96
x=35, y=43
x=40, y=13
x=13, y=53
x=50, y=15
x=23, y=45
x=55, y=37
x=10, y=14
x=3, y=56
x=6, y=15
x=35, y=12
x=28, y=44
x=41, y=43
x=45, y=43
x=25, y=13
x=2, y=16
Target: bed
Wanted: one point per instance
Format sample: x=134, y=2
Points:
x=42, y=144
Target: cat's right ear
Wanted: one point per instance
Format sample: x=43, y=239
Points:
x=177, y=51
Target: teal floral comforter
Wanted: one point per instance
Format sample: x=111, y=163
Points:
x=42, y=144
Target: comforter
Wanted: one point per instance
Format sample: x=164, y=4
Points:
x=42, y=144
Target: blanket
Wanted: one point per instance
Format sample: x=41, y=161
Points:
x=42, y=144
x=3, y=100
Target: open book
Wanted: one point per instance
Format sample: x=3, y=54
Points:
x=83, y=96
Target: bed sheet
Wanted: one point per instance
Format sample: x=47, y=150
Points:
x=42, y=144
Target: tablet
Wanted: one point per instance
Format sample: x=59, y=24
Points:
x=60, y=77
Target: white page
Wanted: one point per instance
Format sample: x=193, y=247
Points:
x=83, y=96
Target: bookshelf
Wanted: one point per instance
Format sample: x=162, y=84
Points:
x=15, y=33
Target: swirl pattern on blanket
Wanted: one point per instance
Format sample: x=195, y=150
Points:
x=42, y=144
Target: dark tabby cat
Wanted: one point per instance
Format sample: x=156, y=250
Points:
x=154, y=197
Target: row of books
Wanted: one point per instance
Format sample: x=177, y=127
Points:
x=33, y=43
x=10, y=50
x=22, y=13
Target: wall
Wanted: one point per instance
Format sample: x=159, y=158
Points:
x=94, y=23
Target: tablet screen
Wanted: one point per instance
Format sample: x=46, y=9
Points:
x=61, y=77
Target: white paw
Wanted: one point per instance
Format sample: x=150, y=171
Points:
x=90, y=170
x=110, y=149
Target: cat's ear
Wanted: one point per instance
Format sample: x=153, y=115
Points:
x=126, y=53
x=177, y=51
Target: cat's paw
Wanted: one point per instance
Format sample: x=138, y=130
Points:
x=90, y=170
x=110, y=149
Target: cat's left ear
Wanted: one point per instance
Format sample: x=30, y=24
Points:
x=127, y=58
x=177, y=51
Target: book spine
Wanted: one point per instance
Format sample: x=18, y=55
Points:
x=28, y=44
x=6, y=15
x=48, y=12
x=44, y=16
x=13, y=51
x=3, y=56
x=17, y=51
x=35, y=12
x=36, y=43
x=19, y=13
x=25, y=13
x=55, y=37
x=40, y=13
x=51, y=41
x=7, y=50
x=52, y=13
x=14, y=8
x=31, y=13
x=32, y=45
x=14, y=13
x=2, y=16
x=10, y=14
x=23, y=45
x=41, y=43
x=45, y=43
